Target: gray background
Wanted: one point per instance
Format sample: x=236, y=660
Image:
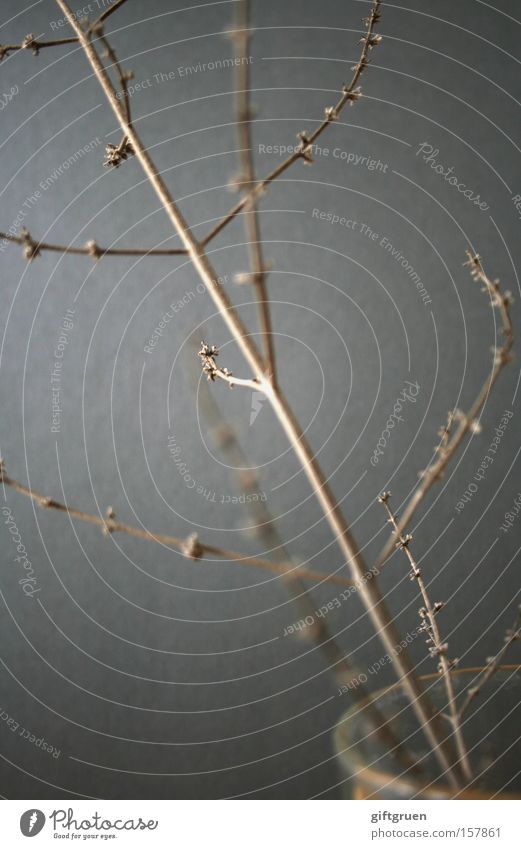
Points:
x=154, y=676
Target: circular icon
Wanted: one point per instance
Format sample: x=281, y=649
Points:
x=32, y=822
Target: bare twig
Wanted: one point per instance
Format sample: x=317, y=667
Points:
x=33, y=248
x=343, y=670
x=350, y=94
x=109, y=525
x=369, y=592
x=450, y=436
x=493, y=663
x=437, y=648
x=241, y=37
x=109, y=11
x=208, y=353
x=31, y=43
x=35, y=45
x=115, y=154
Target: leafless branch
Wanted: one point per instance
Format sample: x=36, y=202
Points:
x=191, y=547
x=344, y=671
x=35, y=45
x=429, y=625
x=459, y=424
x=493, y=663
x=368, y=592
x=33, y=247
x=241, y=37
x=350, y=94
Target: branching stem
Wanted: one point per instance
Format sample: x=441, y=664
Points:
x=368, y=592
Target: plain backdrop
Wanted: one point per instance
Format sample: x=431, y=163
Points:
x=151, y=675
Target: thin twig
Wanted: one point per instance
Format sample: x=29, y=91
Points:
x=493, y=663
x=190, y=547
x=450, y=436
x=33, y=248
x=115, y=154
x=30, y=43
x=246, y=179
x=369, y=593
x=344, y=671
x=104, y=15
x=350, y=94
x=437, y=648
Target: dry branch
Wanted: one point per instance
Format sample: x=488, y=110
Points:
x=437, y=647
x=493, y=663
x=459, y=424
x=241, y=37
x=191, y=547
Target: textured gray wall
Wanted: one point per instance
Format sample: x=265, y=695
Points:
x=153, y=676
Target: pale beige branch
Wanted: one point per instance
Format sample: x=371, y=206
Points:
x=459, y=424
x=437, y=647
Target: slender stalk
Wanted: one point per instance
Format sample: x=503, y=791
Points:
x=242, y=37
x=450, y=438
x=343, y=670
x=34, y=247
x=437, y=648
x=109, y=11
x=493, y=663
x=350, y=94
x=369, y=592
x=197, y=548
x=30, y=43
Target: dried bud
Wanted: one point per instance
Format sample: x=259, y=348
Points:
x=114, y=155
x=93, y=249
x=110, y=515
x=192, y=548
x=30, y=44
